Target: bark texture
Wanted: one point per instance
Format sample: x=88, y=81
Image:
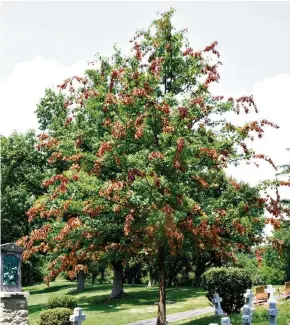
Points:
x=117, y=290
x=81, y=281
x=161, y=315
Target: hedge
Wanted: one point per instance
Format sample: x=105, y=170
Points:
x=56, y=316
x=61, y=302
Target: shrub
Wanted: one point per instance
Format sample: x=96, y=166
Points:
x=64, y=302
x=56, y=316
x=230, y=283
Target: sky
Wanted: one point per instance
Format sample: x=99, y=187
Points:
x=42, y=43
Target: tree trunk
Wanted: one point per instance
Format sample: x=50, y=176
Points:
x=102, y=270
x=117, y=290
x=161, y=315
x=150, y=282
x=133, y=281
x=94, y=275
x=81, y=281
x=200, y=269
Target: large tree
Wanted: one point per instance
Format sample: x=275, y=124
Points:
x=145, y=147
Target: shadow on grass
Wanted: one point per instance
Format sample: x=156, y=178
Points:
x=49, y=289
x=135, y=297
x=89, y=288
x=95, y=297
x=35, y=308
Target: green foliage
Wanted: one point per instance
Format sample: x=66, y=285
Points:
x=230, y=283
x=249, y=262
x=283, y=234
x=134, y=272
x=62, y=302
x=32, y=271
x=22, y=170
x=56, y=316
x=273, y=275
x=50, y=112
x=274, y=266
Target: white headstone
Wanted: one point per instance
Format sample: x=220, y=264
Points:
x=271, y=291
x=217, y=303
x=273, y=312
x=225, y=321
x=247, y=315
x=249, y=297
x=77, y=316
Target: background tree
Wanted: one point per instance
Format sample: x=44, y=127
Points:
x=283, y=255
x=144, y=146
x=22, y=170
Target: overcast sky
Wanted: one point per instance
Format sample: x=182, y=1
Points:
x=44, y=42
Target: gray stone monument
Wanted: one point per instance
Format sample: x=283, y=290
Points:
x=273, y=312
x=226, y=321
x=217, y=303
x=247, y=315
x=249, y=297
x=13, y=308
x=78, y=317
x=270, y=290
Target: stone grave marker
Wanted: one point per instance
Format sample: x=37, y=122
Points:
x=225, y=321
x=261, y=295
x=217, y=303
x=13, y=309
x=273, y=312
x=287, y=289
x=78, y=317
x=249, y=297
x=247, y=315
x=270, y=290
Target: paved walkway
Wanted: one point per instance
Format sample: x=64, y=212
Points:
x=176, y=317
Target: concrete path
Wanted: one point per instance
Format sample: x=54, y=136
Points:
x=178, y=316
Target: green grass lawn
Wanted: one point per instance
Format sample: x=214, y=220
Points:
x=260, y=317
x=138, y=305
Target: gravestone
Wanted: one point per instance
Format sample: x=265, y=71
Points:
x=13, y=308
x=249, y=297
x=270, y=290
x=78, y=317
x=261, y=295
x=225, y=321
x=247, y=315
x=287, y=289
x=217, y=303
x=273, y=312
